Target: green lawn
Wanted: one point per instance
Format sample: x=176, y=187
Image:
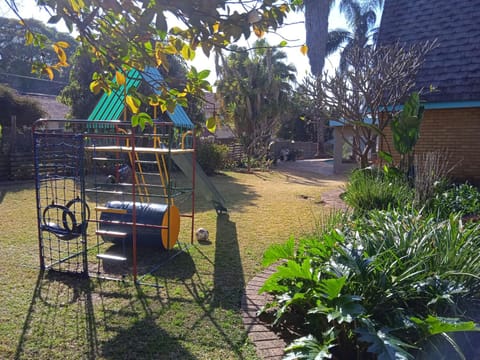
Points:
x=194, y=314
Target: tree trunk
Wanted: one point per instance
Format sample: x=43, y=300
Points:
x=320, y=137
x=316, y=27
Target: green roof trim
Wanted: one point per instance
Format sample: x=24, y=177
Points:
x=110, y=107
x=179, y=117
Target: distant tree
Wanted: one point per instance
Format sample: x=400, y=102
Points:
x=16, y=59
x=77, y=94
x=361, y=17
x=255, y=88
x=377, y=81
x=311, y=98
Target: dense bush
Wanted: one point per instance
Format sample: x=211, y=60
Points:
x=463, y=199
x=212, y=157
x=382, y=288
x=26, y=110
x=370, y=189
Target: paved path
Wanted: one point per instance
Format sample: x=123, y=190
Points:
x=316, y=166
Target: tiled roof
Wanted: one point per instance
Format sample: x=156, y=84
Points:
x=453, y=68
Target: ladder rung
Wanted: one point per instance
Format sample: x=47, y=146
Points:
x=111, y=257
x=111, y=233
x=111, y=210
x=146, y=162
x=103, y=159
x=147, y=173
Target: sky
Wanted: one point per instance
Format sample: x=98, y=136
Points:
x=293, y=32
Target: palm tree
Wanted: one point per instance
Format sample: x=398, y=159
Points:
x=255, y=89
x=317, y=38
x=316, y=27
x=361, y=18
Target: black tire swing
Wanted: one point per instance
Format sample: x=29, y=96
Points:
x=69, y=228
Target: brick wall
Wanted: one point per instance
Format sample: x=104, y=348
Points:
x=455, y=132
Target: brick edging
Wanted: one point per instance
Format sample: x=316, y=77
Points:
x=268, y=344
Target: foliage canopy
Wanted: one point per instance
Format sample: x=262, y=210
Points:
x=127, y=34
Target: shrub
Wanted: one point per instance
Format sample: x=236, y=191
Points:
x=370, y=189
x=26, y=110
x=463, y=199
x=431, y=168
x=212, y=157
x=381, y=288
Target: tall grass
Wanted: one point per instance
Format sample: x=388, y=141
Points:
x=370, y=189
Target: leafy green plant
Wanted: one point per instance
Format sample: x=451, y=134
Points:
x=406, y=130
x=211, y=157
x=380, y=288
x=369, y=189
x=463, y=199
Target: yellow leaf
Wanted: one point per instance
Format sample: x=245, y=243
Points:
x=216, y=27
x=75, y=6
x=211, y=124
x=304, y=49
x=153, y=101
x=62, y=56
x=258, y=31
x=187, y=52
x=28, y=37
x=21, y=22
x=131, y=104
x=95, y=86
x=120, y=78
x=62, y=44
x=48, y=70
x=284, y=8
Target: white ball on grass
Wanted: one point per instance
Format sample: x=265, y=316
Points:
x=202, y=234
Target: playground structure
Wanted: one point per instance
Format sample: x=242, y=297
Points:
x=110, y=198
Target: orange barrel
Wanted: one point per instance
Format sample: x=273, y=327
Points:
x=120, y=221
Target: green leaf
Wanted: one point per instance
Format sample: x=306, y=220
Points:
x=308, y=347
x=283, y=43
x=54, y=19
x=277, y=252
x=203, y=74
x=433, y=325
x=331, y=288
x=385, y=156
x=384, y=345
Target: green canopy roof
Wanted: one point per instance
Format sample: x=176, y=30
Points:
x=111, y=106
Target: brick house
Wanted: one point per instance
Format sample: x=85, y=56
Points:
x=452, y=118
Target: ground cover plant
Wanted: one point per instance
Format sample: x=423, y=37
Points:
x=194, y=314
x=383, y=287
x=396, y=279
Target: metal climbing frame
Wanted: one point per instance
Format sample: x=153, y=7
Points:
x=109, y=198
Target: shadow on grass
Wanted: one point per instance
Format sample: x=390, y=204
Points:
x=15, y=186
x=65, y=315
x=234, y=192
x=61, y=307
x=228, y=279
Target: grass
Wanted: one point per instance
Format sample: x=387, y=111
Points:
x=195, y=314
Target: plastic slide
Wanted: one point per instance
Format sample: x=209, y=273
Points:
x=203, y=185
